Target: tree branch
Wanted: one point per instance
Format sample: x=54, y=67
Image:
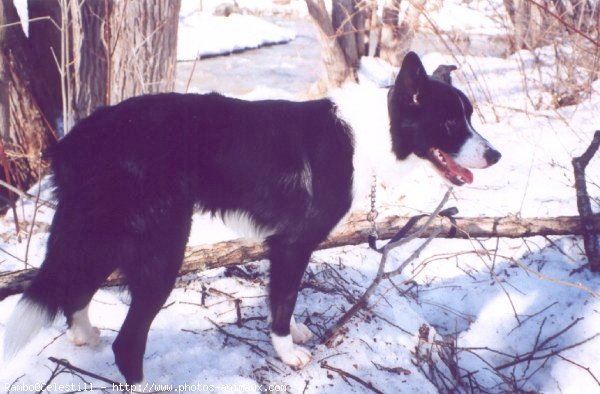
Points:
x=354, y=232
x=363, y=301
x=591, y=242
x=345, y=375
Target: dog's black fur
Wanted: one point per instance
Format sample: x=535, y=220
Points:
x=129, y=176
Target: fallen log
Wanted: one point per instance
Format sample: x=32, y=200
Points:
x=354, y=232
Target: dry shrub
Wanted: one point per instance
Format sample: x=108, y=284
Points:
x=568, y=31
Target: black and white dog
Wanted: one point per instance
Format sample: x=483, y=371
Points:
x=129, y=176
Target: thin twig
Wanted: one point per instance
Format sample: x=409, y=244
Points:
x=413, y=256
x=35, y=210
x=50, y=343
x=363, y=301
x=66, y=364
x=57, y=371
x=530, y=356
x=532, y=316
x=189, y=81
x=8, y=176
x=345, y=374
x=25, y=195
x=587, y=369
x=241, y=339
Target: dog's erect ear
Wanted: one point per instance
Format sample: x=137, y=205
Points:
x=442, y=73
x=412, y=79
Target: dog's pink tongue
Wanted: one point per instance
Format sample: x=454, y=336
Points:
x=461, y=171
x=455, y=170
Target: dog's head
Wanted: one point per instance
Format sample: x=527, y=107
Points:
x=432, y=119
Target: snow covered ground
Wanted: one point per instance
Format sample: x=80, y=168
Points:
x=203, y=34
x=495, y=300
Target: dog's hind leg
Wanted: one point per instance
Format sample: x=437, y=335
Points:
x=159, y=250
x=96, y=260
x=81, y=332
x=288, y=262
x=130, y=345
x=76, y=264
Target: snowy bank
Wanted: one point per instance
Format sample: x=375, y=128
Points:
x=201, y=34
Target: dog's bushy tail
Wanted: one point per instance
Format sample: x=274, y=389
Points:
x=35, y=310
x=26, y=321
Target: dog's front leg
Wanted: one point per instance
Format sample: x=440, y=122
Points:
x=299, y=331
x=288, y=262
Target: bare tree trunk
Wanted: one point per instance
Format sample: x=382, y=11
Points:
x=348, y=24
x=397, y=33
x=528, y=23
x=338, y=69
x=540, y=22
x=125, y=48
x=346, y=19
x=78, y=56
x=4, y=85
x=410, y=24
x=143, y=47
x=4, y=98
x=25, y=131
x=374, y=32
x=90, y=76
x=390, y=33
x=530, y=27
x=44, y=49
x=362, y=14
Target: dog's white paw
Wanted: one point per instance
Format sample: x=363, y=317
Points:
x=81, y=332
x=300, y=333
x=81, y=336
x=297, y=358
x=294, y=356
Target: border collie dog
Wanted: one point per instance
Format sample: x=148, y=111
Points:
x=129, y=176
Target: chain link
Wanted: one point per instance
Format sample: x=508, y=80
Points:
x=372, y=215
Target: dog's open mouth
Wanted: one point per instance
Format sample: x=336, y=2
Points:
x=448, y=168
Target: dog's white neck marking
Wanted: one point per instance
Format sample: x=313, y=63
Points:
x=365, y=110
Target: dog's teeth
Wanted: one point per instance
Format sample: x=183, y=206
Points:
x=439, y=156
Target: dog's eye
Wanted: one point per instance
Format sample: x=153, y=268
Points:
x=449, y=125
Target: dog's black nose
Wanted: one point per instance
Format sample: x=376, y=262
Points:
x=492, y=156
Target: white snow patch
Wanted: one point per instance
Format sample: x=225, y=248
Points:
x=376, y=71
x=201, y=34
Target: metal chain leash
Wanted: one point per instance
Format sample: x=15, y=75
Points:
x=372, y=215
